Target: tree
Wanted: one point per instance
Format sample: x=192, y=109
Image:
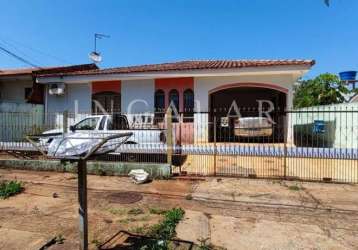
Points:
x=322, y=90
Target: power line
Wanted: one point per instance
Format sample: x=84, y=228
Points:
x=12, y=43
x=18, y=57
x=18, y=52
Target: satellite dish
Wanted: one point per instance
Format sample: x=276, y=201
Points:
x=95, y=57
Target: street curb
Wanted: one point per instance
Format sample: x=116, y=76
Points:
x=155, y=170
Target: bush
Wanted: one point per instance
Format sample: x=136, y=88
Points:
x=166, y=229
x=10, y=188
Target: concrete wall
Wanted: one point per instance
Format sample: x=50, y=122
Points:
x=77, y=96
x=14, y=91
x=341, y=125
x=155, y=170
x=137, y=96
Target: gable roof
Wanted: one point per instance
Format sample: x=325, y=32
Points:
x=47, y=70
x=187, y=65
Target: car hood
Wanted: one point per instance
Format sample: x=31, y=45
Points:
x=51, y=131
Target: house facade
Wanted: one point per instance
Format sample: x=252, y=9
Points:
x=195, y=88
x=19, y=85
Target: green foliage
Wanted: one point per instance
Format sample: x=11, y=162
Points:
x=161, y=233
x=166, y=229
x=323, y=90
x=10, y=188
x=154, y=210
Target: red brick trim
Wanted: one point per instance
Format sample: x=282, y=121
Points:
x=105, y=86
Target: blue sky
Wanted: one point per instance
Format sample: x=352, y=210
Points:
x=53, y=32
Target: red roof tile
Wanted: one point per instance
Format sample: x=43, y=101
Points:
x=190, y=65
x=47, y=70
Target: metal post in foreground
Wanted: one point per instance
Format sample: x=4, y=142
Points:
x=169, y=135
x=65, y=121
x=81, y=170
x=82, y=201
x=215, y=149
x=285, y=130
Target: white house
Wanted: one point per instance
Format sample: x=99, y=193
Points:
x=205, y=86
x=19, y=85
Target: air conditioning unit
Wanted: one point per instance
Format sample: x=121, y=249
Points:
x=57, y=89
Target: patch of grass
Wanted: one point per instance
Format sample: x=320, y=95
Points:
x=166, y=229
x=99, y=171
x=124, y=221
x=59, y=239
x=162, y=233
x=135, y=211
x=159, y=211
x=127, y=220
x=295, y=188
x=10, y=188
x=117, y=211
x=139, y=230
x=204, y=244
x=96, y=242
x=144, y=218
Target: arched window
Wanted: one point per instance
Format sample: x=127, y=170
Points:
x=106, y=101
x=188, y=100
x=174, y=101
x=174, y=98
x=159, y=101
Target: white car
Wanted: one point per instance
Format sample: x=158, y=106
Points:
x=108, y=124
x=148, y=140
x=253, y=127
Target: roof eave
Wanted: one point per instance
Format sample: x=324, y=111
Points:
x=296, y=70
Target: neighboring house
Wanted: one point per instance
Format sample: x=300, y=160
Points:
x=24, y=98
x=16, y=85
x=19, y=85
x=203, y=86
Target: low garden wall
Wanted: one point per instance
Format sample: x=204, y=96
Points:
x=156, y=171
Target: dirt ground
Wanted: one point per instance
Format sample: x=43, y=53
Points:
x=302, y=168
x=230, y=213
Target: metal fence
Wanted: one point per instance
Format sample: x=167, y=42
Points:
x=319, y=144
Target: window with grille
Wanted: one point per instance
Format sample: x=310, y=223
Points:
x=109, y=102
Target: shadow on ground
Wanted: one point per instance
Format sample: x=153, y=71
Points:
x=124, y=240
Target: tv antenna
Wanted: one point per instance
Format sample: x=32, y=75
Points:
x=95, y=56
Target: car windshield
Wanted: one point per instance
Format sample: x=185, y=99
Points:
x=87, y=124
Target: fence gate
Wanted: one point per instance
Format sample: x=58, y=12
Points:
x=307, y=144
